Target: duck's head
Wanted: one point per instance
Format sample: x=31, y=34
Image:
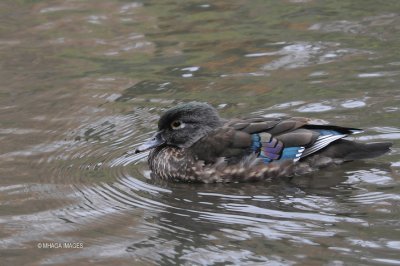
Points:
x=183, y=125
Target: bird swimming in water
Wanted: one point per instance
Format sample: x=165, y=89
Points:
x=194, y=144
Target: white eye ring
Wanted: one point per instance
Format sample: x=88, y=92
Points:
x=177, y=124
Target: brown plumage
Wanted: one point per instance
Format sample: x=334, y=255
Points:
x=194, y=144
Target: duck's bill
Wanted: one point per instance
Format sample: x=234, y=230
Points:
x=152, y=143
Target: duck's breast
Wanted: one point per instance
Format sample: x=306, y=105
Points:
x=172, y=163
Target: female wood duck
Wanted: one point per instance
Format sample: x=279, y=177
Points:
x=194, y=144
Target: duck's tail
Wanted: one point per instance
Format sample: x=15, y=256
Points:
x=351, y=150
x=341, y=151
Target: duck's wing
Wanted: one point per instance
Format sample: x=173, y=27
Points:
x=271, y=139
x=292, y=138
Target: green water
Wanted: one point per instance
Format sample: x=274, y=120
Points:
x=82, y=83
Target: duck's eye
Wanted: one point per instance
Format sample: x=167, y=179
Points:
x=177, y=124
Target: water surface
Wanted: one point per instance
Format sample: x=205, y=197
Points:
x=82, y=83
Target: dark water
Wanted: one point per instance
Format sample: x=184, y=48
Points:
x=82, y=83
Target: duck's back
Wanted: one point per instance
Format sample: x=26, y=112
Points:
x=279, y=139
